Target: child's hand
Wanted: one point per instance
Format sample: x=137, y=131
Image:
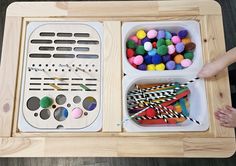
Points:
x=226, y=116
x=211, y=69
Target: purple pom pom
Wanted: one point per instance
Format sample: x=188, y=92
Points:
x=179, y=47
x=145, y=40
x=161, y=34
x=174, y=34
x=166, y=58
x=170, y=65
x=148, y=59
x=142, y=67
x=183, y=34
x=156, y=59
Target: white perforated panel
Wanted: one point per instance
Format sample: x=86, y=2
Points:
x=62, y=62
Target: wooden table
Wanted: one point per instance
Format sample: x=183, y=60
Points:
x=112, y=141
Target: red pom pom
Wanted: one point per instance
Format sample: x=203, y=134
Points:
x=135, y=66
x=130, y=52
x=150, y=112
x=154, y=45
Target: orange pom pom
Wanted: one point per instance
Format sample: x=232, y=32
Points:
x=178, y=58
x=186, y=40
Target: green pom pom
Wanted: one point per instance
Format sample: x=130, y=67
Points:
x=162, y=50
x=168, y=42
x=188, y=55
x=161, y=42
x=140, y=50
x=131, y=44
x=46, y=102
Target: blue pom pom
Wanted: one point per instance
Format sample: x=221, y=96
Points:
x=183, y=34
x=148, y=59
x=178, y=67
x=156, y=59
x=168, y=35
x=152, y=52
x=145, y=40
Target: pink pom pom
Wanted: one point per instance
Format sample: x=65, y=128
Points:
x=175, y=39
x=77, y=113
x=152, y=34
x=138, y=60
x=171, y=49
x=139, y=42
x=134, y=38
x=186, y=62
x=131, y=60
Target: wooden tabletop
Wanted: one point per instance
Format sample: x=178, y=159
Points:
x=112, y=140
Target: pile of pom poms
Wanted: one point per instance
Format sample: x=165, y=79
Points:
x=160, y=50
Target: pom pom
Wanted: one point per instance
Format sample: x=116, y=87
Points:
x=161, y=42
x=166, y=58
x=186, y=63
x=162, y=50
x=179, y=47
x=148, y=59
x=138, y=60
x=186, y=40
x=154, y=44
x=178, y=67
x=182, y=34
x=130, y=44
x=171, y=49
x=161, y=34
x=131, y=60
x=156, y=59
x=135, y=66
x=152, y=52
x=130, y=52
x=168, y=42
x=141, y=34
x=152, y=34
x=173, y=34
x=175, y=39
x=150, y=112
x=170, y=65
x=145, y=40
x=148, y=46
x=178, y=58
x=188, y=55
x=168, y=35
x=190, y=46
x=151, y=67
x=134, y=38
x=160, y=67
x=142, y=67
x=140, y=50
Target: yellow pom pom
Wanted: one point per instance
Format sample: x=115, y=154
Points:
x=141, y=34
x=151, y=67
x=160, y=67
x=186, y=40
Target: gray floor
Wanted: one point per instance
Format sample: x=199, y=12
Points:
x=229, y=16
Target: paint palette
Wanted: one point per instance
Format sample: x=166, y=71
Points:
x=197, y=101
x=61, y=77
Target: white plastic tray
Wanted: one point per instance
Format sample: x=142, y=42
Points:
x=130, y=28
x=197, y=98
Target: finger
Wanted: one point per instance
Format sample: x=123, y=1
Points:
x=225, y=125
x=224, y=120
x=229, y=108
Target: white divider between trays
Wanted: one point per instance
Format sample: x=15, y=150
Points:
x=197, y=100
x=130, y=28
